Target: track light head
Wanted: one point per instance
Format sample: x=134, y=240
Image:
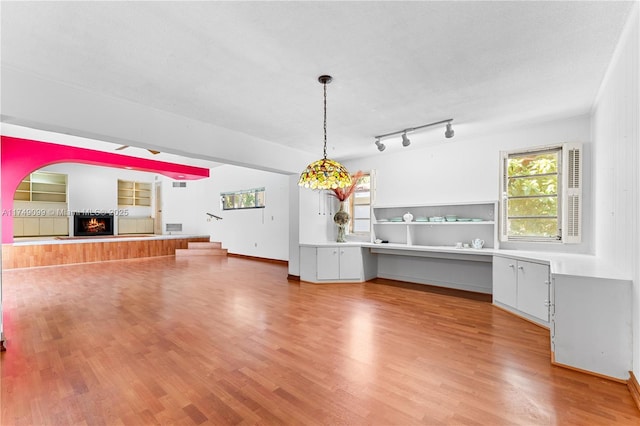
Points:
x=380, y=145
x=449, y=132
x=405, y=140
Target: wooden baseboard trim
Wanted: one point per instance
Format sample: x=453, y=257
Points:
x=260, y=259
x=482, y=297
x=293, y=277
x=634, y=388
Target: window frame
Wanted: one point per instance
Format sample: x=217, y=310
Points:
x=257, y=193
x=352, y=205
x=569, y=194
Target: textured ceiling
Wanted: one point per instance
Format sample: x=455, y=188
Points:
x=252, y=67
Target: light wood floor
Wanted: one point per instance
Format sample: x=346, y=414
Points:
x=229, y=341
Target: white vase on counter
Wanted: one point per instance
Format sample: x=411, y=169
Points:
x=408, y=217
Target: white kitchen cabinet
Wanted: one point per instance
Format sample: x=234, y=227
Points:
x=523, y=287
x=533, y=289
x=327, y=263
x=592, y=324
x=505, y=288
x=339, y=263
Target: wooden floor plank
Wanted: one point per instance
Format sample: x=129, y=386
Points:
x=230, y=341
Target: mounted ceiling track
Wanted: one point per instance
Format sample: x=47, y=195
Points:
x=154, y=152
x=448, y=133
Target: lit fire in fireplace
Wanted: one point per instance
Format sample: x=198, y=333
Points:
x=94, y=225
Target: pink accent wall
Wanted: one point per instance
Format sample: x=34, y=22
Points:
x=19, y=157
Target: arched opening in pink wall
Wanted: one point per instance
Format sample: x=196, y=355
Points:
x=19, y=157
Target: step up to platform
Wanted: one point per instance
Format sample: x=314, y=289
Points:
x=202, y=249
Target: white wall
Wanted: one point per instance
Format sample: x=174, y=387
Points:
x=616, y=152
x=464, y=169
x=252, y=232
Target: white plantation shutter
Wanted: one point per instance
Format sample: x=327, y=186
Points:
x=504, y=216
x=572, y=191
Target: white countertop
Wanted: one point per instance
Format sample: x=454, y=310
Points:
x=579, y=265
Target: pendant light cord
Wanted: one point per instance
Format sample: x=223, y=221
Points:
x=325, y=119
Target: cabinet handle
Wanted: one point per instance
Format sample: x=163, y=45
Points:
x=341, y=251
x=511, y=265
x=335, y=252
x=521, y=268
x=547, y=303
x=547, y=282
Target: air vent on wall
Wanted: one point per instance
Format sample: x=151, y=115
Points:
x=179, y=184
x=173, y=227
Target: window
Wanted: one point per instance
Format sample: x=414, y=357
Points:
x=360, y=206
x=541, y=195
x=245, y=199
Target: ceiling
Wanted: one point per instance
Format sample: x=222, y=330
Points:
x=252, y=67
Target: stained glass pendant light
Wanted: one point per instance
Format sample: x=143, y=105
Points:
x=325, y=173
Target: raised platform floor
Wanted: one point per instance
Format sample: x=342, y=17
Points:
x=31, y=253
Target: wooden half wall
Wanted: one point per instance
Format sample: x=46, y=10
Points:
x=67, y=252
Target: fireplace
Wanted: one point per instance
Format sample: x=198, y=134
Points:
x=92, y=224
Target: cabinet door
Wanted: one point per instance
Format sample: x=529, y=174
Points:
x=533, y=289
x=126, y=226
x=141, y=226
x=505, y=281
x=46, y=226
x=60, y=226
x=328, y=263
x=31, y=226
x=18, y=226
x=350, y=263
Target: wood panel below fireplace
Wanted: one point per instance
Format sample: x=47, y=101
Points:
x=48, y=253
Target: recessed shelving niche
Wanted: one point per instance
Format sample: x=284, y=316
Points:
x=42, y=187
x=132, y=193
x=473, y=220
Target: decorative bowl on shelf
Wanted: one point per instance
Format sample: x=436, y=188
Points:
x=395, y=219
x=476, y=220
x=463, y=219
x=451, y=218
x=436, y=219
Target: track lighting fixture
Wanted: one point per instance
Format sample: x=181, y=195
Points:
x=405, y=140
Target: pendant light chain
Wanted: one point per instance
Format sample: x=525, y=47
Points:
x=325, y=119
x=325, y=173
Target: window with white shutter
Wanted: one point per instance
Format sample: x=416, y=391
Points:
x=541, y=194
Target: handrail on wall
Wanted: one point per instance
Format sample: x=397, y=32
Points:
x=214, y=216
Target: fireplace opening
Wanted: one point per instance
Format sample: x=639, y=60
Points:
x=92, y=224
